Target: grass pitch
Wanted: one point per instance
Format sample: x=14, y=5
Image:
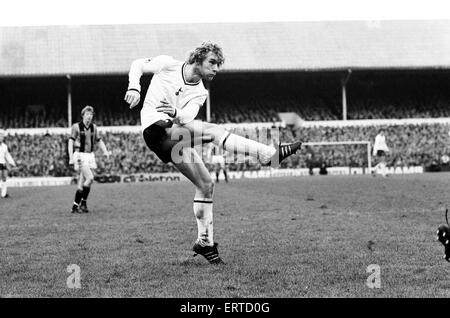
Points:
x=280, y=237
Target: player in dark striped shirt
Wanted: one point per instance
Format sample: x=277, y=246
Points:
x=85, y=134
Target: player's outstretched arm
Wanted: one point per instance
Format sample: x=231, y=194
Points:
x=137, y=69
x=73, y=136
x=70, y=150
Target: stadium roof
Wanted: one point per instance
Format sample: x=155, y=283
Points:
x=109, y=49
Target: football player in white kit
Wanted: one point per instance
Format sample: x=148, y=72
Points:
x=5, y=157
x=380, y=149
x=173, y=99
x=218, y=160
x=84, y=134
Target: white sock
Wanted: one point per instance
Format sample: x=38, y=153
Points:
x=4, y=188
x=234, y=143
x=377, y=168
x=383, y=169
x=203, y=211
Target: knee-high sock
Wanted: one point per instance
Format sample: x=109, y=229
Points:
x=4, y=188
x=78, y=196
x=85, y=193
x=232, y=142
x=203, y=210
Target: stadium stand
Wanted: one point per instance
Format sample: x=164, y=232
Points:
x=240, y=98
x=400, y=70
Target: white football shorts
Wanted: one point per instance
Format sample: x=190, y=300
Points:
x=84, y=159
x=220, y=160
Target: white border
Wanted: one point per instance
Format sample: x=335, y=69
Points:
x=89, y=12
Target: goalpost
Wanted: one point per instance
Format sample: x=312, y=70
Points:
x=337, y=143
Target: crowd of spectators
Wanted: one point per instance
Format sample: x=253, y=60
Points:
x=434, y=107
x=38, y=155
x=23, y=118
x=27, y=118
x=247, y=110
x=411, y=145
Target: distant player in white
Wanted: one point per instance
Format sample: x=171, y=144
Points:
x=380, y=149
x=5, y=157
x=218, y=160
x=84, y=134
x=173, y=99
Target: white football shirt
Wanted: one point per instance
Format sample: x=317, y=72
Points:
x=4, y=155
x=380, y=144
x=168, y=83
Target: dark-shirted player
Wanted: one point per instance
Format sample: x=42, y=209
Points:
x=85, y=134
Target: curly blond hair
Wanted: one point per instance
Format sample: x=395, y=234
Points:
x=198, y=55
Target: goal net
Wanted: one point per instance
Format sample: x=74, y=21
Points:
x=352, y=154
